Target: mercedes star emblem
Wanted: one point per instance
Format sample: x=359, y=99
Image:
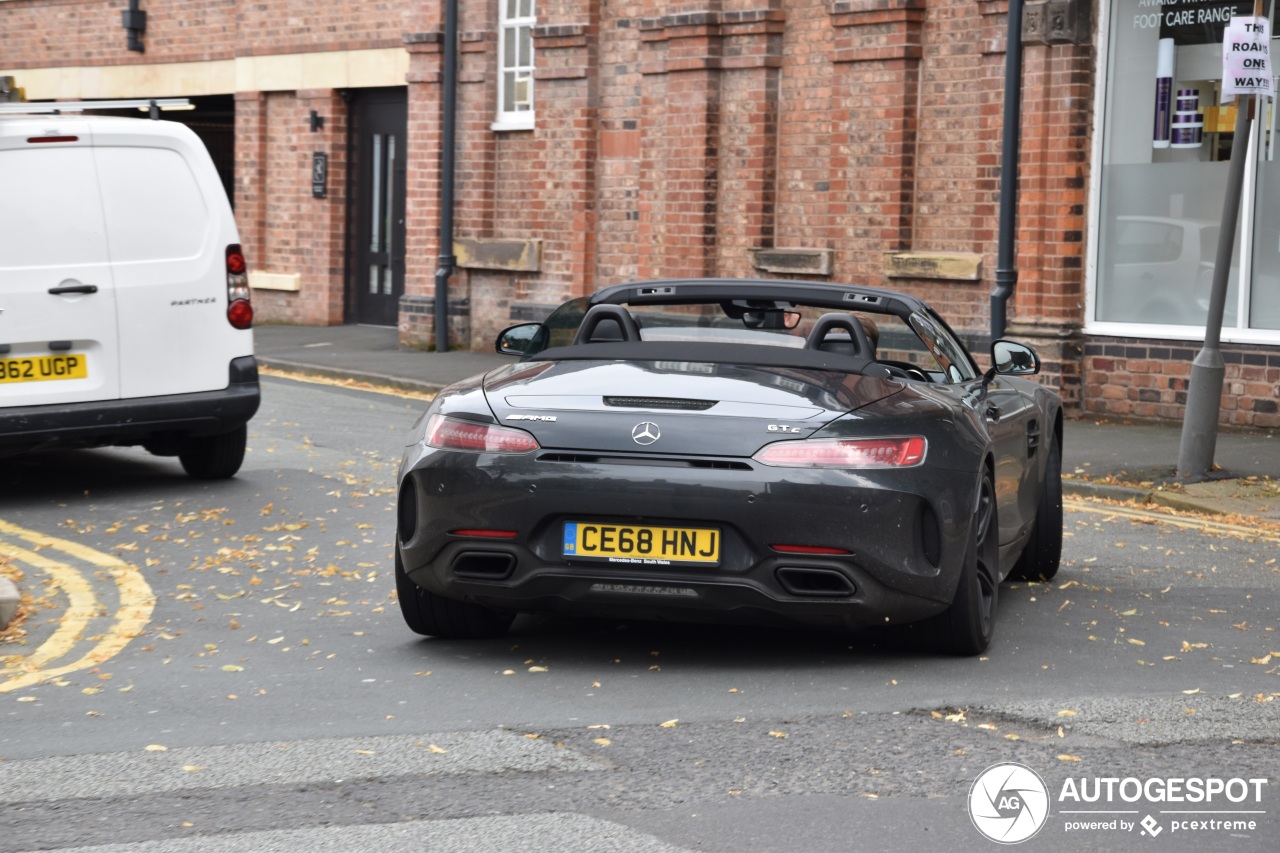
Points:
x=645, y=433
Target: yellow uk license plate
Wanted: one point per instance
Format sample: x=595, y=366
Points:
x=43, y=368
x=642, y=545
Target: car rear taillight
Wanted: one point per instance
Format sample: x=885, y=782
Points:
x=453, y=434
x=904, y=452
x=818, y=550
x=239, y=309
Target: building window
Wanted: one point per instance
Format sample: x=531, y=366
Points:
x=515, y=64
x=1162, y=177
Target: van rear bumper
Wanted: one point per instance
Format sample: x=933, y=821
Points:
x=135, y=420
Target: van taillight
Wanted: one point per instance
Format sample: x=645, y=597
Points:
x=239, y=309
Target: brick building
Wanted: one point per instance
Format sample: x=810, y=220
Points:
x=852, y=140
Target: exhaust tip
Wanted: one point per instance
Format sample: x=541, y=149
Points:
x=815, y=583
x=490, y=565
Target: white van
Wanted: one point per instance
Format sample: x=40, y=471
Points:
x=124, y=298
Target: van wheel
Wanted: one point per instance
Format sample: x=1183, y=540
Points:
x=215, y=457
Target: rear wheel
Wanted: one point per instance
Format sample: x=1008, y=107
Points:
x=214, y=457
x=1043, y=551
x=435, y=616
x=965, y=628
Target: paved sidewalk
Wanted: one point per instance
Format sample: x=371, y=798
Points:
x=1114, y=459
x=368, y=354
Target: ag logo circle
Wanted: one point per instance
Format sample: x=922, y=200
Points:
x=1008, y=803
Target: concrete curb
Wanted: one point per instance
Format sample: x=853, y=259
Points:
x=9, y=598
x=1156, y=497
x=1087, y=489
x=343, y=374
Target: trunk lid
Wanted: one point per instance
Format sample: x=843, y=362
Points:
x=686, y=408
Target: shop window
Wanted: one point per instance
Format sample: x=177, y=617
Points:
x=515, y=64
x=1162, y=180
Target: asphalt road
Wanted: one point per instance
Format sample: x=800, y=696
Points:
x=222, y=667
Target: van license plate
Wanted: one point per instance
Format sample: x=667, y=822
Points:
x=642, y=545
x=42, y=368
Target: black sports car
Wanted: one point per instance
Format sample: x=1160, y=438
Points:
x=745, y=450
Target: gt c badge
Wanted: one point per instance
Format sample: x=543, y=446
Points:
x=645, y=433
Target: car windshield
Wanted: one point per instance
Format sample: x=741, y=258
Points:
x=919, y=342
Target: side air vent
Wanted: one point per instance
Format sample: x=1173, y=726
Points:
x=660, y=403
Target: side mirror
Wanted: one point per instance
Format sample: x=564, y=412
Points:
x=1010, y=358
x=516, y=340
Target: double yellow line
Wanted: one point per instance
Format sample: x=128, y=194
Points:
x=1184, y=522
x=63, y=651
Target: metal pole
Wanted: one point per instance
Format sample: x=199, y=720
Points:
x=1204, y=392
x=449, y=80
x=1006, y=270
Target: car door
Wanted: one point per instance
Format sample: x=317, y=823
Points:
x=58, y=337
x=1006, y=411
x=1017, y=442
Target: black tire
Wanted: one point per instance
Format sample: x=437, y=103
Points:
x=1042, y=553
x=214, y=457
x=965, y=628
x=435, y=616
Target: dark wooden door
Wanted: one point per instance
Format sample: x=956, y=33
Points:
x=378, y=256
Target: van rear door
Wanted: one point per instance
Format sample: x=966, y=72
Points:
x=58, y=332
x=169, y=224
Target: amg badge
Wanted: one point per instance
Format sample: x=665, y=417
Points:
x=531, y=417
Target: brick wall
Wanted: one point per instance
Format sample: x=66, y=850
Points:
x=283, y=228
x=42, y=34
x=673, y=137
x=1148, y=379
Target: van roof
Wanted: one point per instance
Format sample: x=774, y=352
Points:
x=41, y=124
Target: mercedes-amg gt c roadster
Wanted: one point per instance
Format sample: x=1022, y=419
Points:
x=753, y=451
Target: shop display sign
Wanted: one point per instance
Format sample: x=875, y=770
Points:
x=1189, y=22
x=1246, y=58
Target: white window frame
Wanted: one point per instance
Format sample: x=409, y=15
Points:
x=510, y=27
x=1152, y=331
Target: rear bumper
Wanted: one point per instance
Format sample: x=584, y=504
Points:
x=134, y=421
x=764, y=595
x=891, y=574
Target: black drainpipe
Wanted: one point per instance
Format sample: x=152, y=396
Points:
x=1006, y=271
x=447, y=132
